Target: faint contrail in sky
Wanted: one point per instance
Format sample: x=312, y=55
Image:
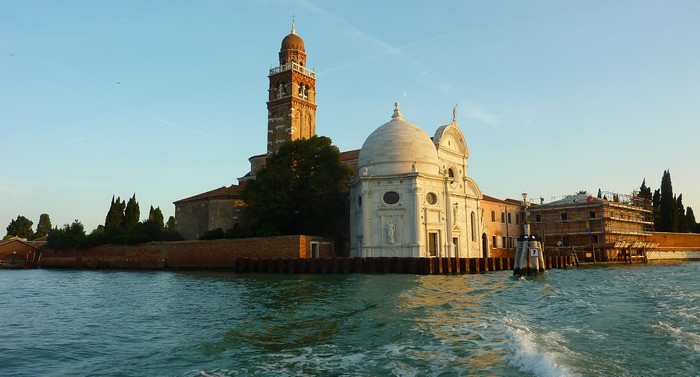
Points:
x=385, y=48
x=141, y=113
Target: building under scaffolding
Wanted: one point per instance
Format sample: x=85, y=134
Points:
x=610, y=227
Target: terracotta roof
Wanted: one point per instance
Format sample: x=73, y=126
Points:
x=494, y=200
x=502, y=201
x=22, y=240
x=223, y=192
x=350, y=155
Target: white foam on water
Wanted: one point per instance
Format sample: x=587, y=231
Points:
x=532, y=354
x=682, y=337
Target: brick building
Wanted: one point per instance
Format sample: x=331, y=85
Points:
x=503, y=220
x=19, y=253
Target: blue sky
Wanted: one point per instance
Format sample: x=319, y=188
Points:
x=166, y=99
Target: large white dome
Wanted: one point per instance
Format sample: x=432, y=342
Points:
x=398, y=147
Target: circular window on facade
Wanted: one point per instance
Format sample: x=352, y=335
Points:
x=431, y=198
x=391, y=197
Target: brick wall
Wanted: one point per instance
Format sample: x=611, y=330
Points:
x=676, y=240
x=18, y=249
x=211, y=254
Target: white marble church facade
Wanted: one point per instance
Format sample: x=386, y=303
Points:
x=412, y=197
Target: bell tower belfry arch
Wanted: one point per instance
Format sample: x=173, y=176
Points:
x=291, y=105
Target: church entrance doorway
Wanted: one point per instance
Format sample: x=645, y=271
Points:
x=433, y=244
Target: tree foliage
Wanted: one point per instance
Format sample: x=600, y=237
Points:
x=298, y=191
x=668, y=208
x=155, y=216
x=131, y=213
x=682, y=224
x=115, y=216
x=44, y=226
x=20, y=227
x=690, y=221
x=644, y=191
x=656, y=204
x=119, y=228
x=170, y=226
x=69, y=236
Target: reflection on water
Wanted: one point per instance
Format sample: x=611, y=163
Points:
x=581, y=322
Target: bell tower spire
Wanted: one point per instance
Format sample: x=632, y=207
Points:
x=291, y=105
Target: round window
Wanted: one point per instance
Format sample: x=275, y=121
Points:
x=431, y=198
x=391, y=197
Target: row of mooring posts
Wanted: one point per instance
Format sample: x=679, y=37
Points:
x=387, y=265
x=391, y=265
x=529, y=257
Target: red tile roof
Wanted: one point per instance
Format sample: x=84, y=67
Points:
x=224, y=192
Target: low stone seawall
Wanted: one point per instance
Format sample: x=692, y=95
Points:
x=161, y=257
x=675, y=246
x=674, y=254
x=181, y=255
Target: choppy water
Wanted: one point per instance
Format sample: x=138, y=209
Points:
x=641, y=320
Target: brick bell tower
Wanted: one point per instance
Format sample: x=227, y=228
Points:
x=291, y=105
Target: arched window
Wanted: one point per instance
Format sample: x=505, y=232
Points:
x=451, y=174
x=473, y=224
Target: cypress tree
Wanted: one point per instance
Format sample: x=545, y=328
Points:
x=691, y=224
x=155, y=216
x=680, y=210
x=44, y=226
x=668, y=208
x=655, y=203
x=115, y=215
x=131, y=213
x=644, y=191
x=171, y=224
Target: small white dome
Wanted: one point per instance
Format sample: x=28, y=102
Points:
x=398, y=147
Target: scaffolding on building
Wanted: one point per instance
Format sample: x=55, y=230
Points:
x=599, y=227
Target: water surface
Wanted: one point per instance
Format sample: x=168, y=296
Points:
x=639, y=320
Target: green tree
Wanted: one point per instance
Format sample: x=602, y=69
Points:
x=155, y=216
x=298, y=191
x=644, y=191
x=690, y=222
x=70, y=236
x=131, y=213
x=668, y=209
x=656, y=204
x=44, y=226
x=171, y=224
x=680, y=211
x=115, y=215
x=20, y=227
